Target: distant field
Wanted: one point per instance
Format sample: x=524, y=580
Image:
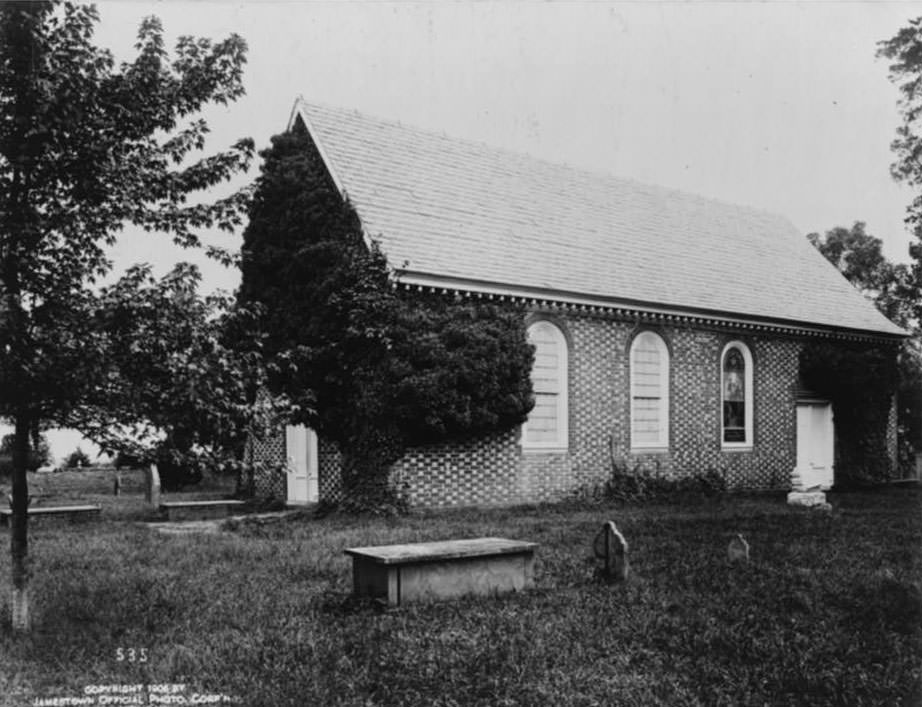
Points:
x=827, y=612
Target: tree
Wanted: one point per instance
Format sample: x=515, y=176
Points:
x=372, y=368
x=859, y=257
x=177, y=393
x=85, y=147
x=859, y=379
x=77, y=459
x=904, y=50
x=39, y=452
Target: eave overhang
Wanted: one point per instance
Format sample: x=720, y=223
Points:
x=630, y=310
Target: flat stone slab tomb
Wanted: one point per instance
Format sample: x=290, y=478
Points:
x=198, y=510
x=58, y=513
x=442, y=570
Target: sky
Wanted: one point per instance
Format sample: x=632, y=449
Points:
x=778, y=105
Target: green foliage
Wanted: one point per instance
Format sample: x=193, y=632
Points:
x=860, y=381
x=904, y=51
x=859, y=257
x=891, y=288
x=87, y=147
x=78, y=459
x=637, y=485
x=370, y=367
x=177, y=393
x=39, y=453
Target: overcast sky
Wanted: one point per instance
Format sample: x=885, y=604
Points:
x=778, y=105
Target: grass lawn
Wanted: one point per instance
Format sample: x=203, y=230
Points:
x=828, y=610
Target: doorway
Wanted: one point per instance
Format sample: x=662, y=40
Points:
x=303, y=469
x=815, y=444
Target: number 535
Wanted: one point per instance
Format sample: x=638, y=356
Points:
x=131, y=655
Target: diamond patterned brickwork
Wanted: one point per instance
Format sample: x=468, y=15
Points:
x=481, y=472
x=495, y=470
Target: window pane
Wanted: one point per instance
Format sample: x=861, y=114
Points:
x=734, y=376
x=542, y=420
x=649, y=371
x=547, y=424
x=646, y=420
x=734, y=421
x=734, y=396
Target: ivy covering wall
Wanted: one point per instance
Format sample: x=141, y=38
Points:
x=370, y=366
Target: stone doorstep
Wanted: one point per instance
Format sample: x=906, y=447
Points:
x=806, y=498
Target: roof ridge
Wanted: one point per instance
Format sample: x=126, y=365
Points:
x=593, y=172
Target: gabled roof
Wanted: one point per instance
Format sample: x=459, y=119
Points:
x=457, y=213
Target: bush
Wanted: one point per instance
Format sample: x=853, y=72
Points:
x=177, y=472
x=77, y=459
x=635, y=485
x=126, y=460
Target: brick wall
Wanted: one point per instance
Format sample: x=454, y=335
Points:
x=496, y=470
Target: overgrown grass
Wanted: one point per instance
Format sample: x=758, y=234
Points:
x=827, y=611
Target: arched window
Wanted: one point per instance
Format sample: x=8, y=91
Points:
x=736, y=395
x=649, y=359
x=547, y=422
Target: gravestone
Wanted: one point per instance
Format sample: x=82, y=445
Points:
x=738, y=550
x=610, y=546
x=117, y=485
x=152, y=486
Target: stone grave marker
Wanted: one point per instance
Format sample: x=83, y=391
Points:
x=738, y=550
x=610, y=546
x=152, y=486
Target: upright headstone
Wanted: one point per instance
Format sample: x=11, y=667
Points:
x=117, y=485
x=152, y=487
x=610, y=546
x=738, y=549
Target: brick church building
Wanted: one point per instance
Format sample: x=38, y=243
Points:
x=667, y=326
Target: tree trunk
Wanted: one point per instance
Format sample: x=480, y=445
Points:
x=19, y=536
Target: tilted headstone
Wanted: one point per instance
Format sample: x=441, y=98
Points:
x=610, y=546
x=738, y=549
x=152, y=487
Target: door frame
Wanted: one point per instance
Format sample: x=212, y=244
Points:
x=310, y=490
x=805, y=466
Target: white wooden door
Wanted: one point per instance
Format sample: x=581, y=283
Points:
x=303, y=471
x=815, y=444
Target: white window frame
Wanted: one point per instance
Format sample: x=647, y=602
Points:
x=562, y=442
x=748, y=401
x=662, y=442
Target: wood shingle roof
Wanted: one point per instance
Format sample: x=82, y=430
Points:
x=455, y=211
